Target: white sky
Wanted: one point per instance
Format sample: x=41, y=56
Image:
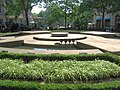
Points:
x=37, y=9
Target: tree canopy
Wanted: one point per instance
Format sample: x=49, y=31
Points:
x=74, y=12
x=17, y=7
x=102, y=7
x=67, y=12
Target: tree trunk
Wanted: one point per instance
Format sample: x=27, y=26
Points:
x=78, y=26
x=65, y=19
x=25, y=9
x=26, y=16
x=102, y=24
x=65, y=14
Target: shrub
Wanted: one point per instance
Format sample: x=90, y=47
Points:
x=53, y=57
x=20, y=85
x=58, y=71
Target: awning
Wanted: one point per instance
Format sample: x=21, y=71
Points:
x=98, y=18
x=107, y=17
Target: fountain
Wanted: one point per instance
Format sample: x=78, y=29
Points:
x=49, y=41
x=45, y=42
x=59, y=34
x=62, y=37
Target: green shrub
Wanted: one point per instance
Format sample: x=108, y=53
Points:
x=17, y=85
x=58, y=71
x=20, y=85
x=52, y=57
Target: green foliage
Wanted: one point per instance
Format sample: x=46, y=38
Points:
x=17, y=85
x=17, y=7
x=100, y=7
x=13, y=8
x=53, y=14
x=65, y=12
x=52, y=57
x=60, y=68
x=58, y=71
x=20, y=85
x=116, y=6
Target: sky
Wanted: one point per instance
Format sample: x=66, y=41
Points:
x=37, y=9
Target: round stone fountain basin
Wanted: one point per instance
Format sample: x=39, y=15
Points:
x=48, y=37
x=59, y=34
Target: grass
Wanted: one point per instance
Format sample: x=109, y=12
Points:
x=58, y=71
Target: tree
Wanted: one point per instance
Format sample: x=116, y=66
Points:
x=67, y=7
x=67, y=12
x=81, y=14
x=53, y=14
x=100, y=7
x=116, y=6
x=20, y=6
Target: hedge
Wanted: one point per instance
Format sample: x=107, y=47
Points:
x=20, y=85
x=52, y=57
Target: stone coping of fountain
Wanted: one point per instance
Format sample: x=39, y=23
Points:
x=47, y=37
x=59, y=34
x=35, y=32
x=25, y=51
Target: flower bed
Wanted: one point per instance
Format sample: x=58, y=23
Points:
x=63, y=69
x=58, y=71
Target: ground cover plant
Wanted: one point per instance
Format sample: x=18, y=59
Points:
x=58, y=71
x=67, y=70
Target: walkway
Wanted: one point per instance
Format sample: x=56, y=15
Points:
x=106, y=44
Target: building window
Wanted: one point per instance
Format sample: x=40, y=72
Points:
x=1, y=21
x=98, y=24
x=107, y=23
x=117, y=23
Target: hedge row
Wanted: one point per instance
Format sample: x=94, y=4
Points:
x=52, y=57
x=20, y=85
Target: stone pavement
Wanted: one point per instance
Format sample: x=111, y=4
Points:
x=25, y=51
x=98, y=42
x=105, y=44
x=100, y=33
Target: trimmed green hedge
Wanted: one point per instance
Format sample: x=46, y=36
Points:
x=52, y=57
x=20, y=85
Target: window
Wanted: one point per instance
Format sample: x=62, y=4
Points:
x=107, y=23
x=1, y=21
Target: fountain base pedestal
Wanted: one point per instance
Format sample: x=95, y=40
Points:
x=59, y=34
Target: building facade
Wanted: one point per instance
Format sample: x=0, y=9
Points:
x=2, y=12
x=111, y=21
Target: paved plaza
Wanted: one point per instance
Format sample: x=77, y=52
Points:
x=98, y=42
x=105, y=44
